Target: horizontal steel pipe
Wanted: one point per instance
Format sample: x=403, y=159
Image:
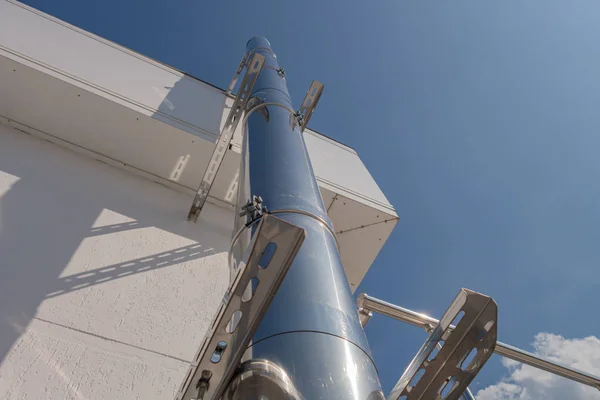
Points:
x=426, y=322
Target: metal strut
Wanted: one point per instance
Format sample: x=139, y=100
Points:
x=309, y=104
x=253, y=69
x=368, y=304
x=237, y=73
x=461, y=353
x=268, y=258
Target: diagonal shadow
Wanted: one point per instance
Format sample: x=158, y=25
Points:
x=38, y=241
x=108, y=273
x=108, y=229
x=50, y=197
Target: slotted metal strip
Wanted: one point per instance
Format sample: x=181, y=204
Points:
x=368, y=303
x=237, y=73
x=225, y=342
x=447, y=374
x=235, y=115
x=310, y=103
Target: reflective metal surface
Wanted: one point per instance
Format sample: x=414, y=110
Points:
x=314, y=301
x=242, y=308
x=330, y=368
x=467, y=395
x=447, y=372
x=222, y=144
x=393, y=311
x=538, y=362
x=315, y=294
x=326, y=224
x=261, y=379
x=426, y=322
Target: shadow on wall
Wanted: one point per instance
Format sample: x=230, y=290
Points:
x=193, y=104
x=50, y=207
x=96, y=276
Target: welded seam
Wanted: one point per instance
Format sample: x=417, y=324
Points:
x=324, y=333
x=321, y=221
x=236, y=237
x=308, y=214
x=265, y=49
x=262, y=105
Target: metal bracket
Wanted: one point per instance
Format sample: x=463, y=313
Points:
x=309, y=104
x=237, y=73
x=464, y=351
x=268, y=258
x=364, y=316
x=253, y=209
x=235, y=115
x=369, y=303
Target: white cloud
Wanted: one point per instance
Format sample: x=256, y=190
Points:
x=527, y=383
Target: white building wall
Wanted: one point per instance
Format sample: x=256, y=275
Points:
x=106, y=291
x=123, y=76
x=152, y=89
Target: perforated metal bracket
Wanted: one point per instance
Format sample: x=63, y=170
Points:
x=309, y=103
x=445, y=373
x=237, y=73
x=235, y=115
x=268, y=258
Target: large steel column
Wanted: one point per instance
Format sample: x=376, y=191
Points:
x=311, y=331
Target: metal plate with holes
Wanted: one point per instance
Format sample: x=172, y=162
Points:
x=446, y=372
x=237, y=73
x=235, y=115
x=310, y=103
x=269, y=256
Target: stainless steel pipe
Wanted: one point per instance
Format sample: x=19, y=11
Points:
x=311, y=333
x=525, y=357
x=426, y=322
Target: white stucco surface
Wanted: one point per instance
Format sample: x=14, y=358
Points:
x=136, y=83
x=136, y=114
x=106, y=290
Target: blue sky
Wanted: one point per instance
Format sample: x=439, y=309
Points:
x=479, y=120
